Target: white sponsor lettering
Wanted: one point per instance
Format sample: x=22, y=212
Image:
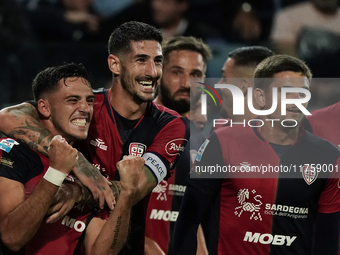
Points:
x=78, y=225
x=286, y=208
x=176, y=187
x=269, y=239
x=163, y=215
x=99, y=143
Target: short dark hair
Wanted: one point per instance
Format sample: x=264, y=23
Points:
x=47, y=80
x=277, y=64
x=189, y=43
x=121, y=37
x=250, y=56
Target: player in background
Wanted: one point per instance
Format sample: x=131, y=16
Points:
x=252, y=218
x=324, y=122
x=30, y=181
x=125, y=122
x=239, y=70
x=185, y=59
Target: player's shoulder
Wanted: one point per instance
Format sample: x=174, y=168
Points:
x=163, y=109
x=235, y=130
x=162, y=114
x=320, y=143
x=12, y=149
x=326, y=112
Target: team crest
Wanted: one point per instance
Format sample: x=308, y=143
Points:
x=137, y=149
x=309, y=174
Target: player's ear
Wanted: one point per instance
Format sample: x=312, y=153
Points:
x=44, y=108
x=245, y=83
x=260, y=97
x=114, y=64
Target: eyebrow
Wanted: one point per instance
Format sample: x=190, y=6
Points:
x=77, y=96
x=147, y=56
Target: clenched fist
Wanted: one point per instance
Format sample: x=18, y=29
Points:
x=63, y=156
x=129, y=169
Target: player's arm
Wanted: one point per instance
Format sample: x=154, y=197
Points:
x=20, y=218
x=109, y=237
x=22, y=123
x=157, y=161
x=197, y=197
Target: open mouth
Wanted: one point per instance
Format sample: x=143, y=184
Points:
x=146, y=84
x=79, y=122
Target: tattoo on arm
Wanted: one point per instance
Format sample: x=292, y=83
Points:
x=150, y=179
x=31, y=132
x=87, y=198
x=87, y=169
x=115, y=237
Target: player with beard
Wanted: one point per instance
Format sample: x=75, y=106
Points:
x=185, y=59
x=272, y=214
x=125, y=122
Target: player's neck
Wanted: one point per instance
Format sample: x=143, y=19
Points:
x=157, y=100
x=123, y=103
x=54, y=131
x=278, y=134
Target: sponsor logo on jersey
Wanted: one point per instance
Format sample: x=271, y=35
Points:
x=268, y=239
x=78, y=225
x=286, y=208
x=201, y=150
x=250, y=204
x=137, y=149
x=161, y=189
x=175, y=146
x=7, y=144
x=6, y=162
x=99, y=143
x=163, y=215
x=309, y=174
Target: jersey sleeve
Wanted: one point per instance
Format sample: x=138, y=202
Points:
x=162, y=155
x=18, y=163
x=329, y=201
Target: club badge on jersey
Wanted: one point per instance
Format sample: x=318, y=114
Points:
x=137, y=149
x=309, y=174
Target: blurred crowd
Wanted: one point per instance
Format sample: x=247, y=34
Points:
x=39, y=33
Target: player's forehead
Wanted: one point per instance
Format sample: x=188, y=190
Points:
x=186, y=59
x=75, y=85
x=290, y=79
x=149, y=48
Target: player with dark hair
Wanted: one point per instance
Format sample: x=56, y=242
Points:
x=126, y=122
x=275, y=214
x=184, y=58
x=239, y=70
x=64, y=100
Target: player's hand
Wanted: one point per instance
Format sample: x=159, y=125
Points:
x=91, y=177
x=63, y=156
x=67, y=195
x=130, y=168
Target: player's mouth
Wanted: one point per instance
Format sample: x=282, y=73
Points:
x=79, y=122
x=147, y=85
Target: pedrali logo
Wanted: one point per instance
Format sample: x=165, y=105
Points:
x=204, y=97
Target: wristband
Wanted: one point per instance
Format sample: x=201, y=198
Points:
x=54, y=176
